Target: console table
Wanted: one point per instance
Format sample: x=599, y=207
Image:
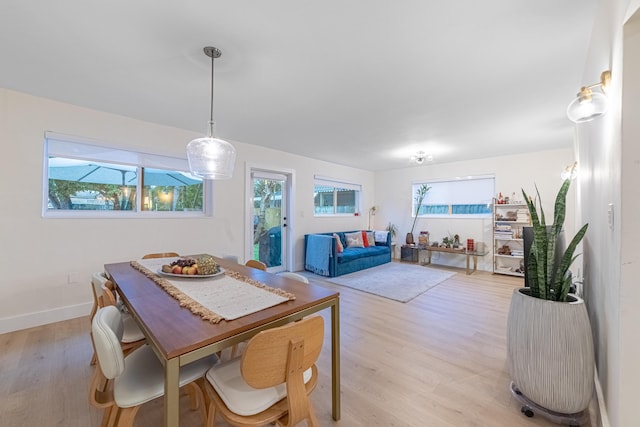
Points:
x=468, y=254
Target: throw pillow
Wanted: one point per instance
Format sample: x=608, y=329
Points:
x=354, y=240
x=371, y=238
x=339, y=246
x=365, y=241
x=381, y=236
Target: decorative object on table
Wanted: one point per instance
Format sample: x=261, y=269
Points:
x=549, y=339
x=210, y=157
x=423, y=239
x=421, y=193
x=470, y=246
x=450, y=240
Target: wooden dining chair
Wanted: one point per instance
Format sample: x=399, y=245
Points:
x=161, y=255
x=273, y=379
x=137, y=378
x=256, y=264
x=132, y=336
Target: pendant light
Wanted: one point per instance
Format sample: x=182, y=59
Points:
x=209, y=157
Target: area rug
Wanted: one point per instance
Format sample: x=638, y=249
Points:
x=396, y=281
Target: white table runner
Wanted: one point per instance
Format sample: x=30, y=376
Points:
x=228, y=296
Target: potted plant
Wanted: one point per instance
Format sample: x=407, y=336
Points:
x=392, y=229
x=549, y=339
x=421, y=193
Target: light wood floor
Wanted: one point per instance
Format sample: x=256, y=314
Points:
x=438, y=360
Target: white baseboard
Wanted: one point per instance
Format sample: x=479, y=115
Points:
x=603, y=417
x=30, y=320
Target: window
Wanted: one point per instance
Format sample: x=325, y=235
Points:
x=332, y=197
x=84, y=180
x=465, y=197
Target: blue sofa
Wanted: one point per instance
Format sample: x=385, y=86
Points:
x=322, y=257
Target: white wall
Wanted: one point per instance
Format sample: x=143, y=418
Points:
x=512, y=174
x=39, y=253
x=608, y=149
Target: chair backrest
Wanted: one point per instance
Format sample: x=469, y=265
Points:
x=256, y=264
x=108, y=295
x=161, y=255
x=107, y=329
x=97, y=280
x=265, y=361
x=294, y=276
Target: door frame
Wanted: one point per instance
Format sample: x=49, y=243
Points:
x=288, y=211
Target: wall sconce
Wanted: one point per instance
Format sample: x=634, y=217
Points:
x=420, y=157
x=570, y=172
x=588, y=104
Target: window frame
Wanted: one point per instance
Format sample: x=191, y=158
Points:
x=78, y=148
x=321, y=181
x=449, y=204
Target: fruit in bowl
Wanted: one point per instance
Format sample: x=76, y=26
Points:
x=207, y=265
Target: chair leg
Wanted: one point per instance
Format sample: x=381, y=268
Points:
x=312, y=421
x=211, y=415
x=126, y=416
x=110, y=416
x=202, y=397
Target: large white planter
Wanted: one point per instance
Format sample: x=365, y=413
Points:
x=550, y=352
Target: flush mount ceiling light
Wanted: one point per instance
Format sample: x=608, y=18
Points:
x=209, y=157
x=588, y=104
x=420, y=157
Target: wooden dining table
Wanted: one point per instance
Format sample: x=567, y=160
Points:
x=179, y=337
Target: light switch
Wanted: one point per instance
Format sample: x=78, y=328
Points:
x=610, y=215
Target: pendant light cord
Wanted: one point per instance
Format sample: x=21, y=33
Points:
x=211, y=111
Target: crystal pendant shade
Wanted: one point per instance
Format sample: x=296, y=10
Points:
x=211, y=158
x=586, y=108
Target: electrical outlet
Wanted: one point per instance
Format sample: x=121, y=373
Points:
x=72, y=278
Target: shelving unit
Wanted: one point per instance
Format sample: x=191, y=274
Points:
x=508, y=245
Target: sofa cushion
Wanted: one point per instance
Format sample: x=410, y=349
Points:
x=354, y=240
x=351, y=253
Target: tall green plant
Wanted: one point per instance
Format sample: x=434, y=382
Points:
x=547, y=278
x=421, y=193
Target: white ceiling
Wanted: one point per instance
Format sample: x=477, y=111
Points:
x=364, y=83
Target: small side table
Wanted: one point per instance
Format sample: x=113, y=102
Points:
x=409, y=253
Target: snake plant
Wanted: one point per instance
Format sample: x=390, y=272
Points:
x=546, y=271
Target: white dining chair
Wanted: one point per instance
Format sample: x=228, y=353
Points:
x=132, y=336
x=294, y=276
x=137, y=378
